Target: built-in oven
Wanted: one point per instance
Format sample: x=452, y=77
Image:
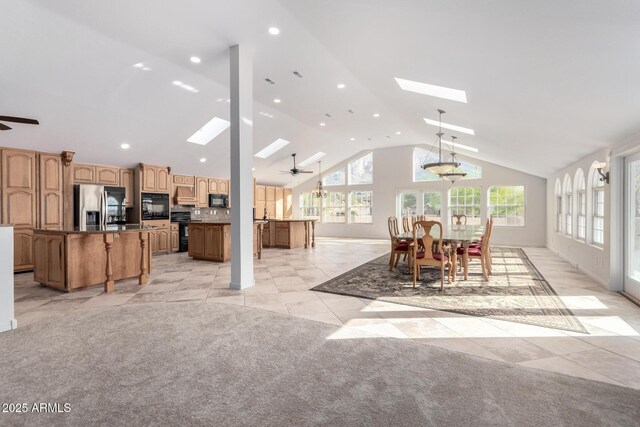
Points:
x=155, y=206
x=182, y=218
x=218, y=201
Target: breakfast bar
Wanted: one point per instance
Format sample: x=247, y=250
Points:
x=79, y=257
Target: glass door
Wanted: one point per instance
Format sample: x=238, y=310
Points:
x=632, y=226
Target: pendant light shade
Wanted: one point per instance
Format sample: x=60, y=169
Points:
x=440, y=167
x=319, y=192
x=456, y=173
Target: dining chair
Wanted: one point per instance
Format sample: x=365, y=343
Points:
x=406, y=224
x=480, y=251
x=422, y=252
x=398, y=247
x=458, y=219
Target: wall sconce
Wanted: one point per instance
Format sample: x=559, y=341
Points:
x=599, y=166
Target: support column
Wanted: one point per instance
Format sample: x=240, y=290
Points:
x=241, y=186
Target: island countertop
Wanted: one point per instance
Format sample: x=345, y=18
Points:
x=97, y=229
x=198, y=221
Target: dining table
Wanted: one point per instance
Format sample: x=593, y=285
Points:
x=457, y=235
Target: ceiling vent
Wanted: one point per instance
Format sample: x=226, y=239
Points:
x=351, y=111
x=328, y=115
x=297, y=74
x=269, y=81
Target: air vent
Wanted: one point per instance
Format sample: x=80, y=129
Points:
x=297, y=74
x=351, y=111
x=328, y=115
x=368, y=139
x=269, y=81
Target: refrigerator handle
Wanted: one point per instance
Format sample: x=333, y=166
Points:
x=104, y=208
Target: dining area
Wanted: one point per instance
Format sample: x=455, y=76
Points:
x=423, y=242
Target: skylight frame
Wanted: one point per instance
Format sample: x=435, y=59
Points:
x=272, y=148
x=312, y=159
x=449, y=126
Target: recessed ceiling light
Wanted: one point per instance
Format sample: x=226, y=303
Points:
x=341, y=86
x=202, y=160
x=253, y=169
x=450, y=127
x=352, y=139
x=219, y=99
x=177, y=82
x=209, y=131
x=195, y=60
x=277, y=100
x=274, y=31
x=312, y=159
x=146, y=68
x=432, y=90
x=125, y=146
x=185, y=86
x=138, y=65
x=323, y=124
x=272, y=148
x=376, y=115
x=461, y=146
x=398, y=133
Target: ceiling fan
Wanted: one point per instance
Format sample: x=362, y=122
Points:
x=16, y=120
x=295, y=171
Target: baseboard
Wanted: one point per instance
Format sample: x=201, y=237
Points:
x=8, y=325
x=582, y=270
x=630, y=297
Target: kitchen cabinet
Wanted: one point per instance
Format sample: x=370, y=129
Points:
x=83, y=174
x=260, y=201
x=196, y=240
x=174, y=237
x=127, y=181
x=159, y=239
x=154, y=179
x=22, y=249
x=213, y=238
x=223, y=186
x=49, y=260
x=162, y=239
x=184, y=180
x=211, y=241
x=279, y=203
x=202, y=192
x=213, y=186
x=270, y=203
x=51, y=203
x=288, y=203
x=106, y=175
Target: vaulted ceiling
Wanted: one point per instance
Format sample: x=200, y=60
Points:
x=547, y=82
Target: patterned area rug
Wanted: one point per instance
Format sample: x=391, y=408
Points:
x=516, y=290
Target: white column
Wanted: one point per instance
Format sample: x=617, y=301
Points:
x=7, y=321
x=241, y=80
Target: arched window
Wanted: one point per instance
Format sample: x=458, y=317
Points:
x=558, y=206
x=597, y=208
x=568, y=205
x=581, y=205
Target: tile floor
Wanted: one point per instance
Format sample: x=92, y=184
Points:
x=609, y=353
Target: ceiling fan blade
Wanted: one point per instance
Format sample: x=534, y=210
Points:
x=305, y=171
x=19, y=120
x=4, y=127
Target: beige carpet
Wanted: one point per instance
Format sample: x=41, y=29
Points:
x=213, y=364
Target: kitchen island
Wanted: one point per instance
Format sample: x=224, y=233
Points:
x=289, y=233
x=211, y=240
x=79, y=257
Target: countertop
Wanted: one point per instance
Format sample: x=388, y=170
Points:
x=97, y=229
x=196, y=221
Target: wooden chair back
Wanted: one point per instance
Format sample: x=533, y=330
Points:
x=393, y=228
x=487, y=235
x=422, y=229
x=406, y=224
x=458, y=219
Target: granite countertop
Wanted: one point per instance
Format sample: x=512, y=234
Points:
x=6, y=225
x=98, y=229
x=199, y=221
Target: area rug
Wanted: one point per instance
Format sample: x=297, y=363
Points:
x=516, y=290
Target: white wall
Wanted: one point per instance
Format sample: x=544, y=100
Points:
x=7, y=321
x=393, y=172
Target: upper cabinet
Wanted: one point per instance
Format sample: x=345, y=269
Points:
x=288, y=203
x=51, y=201
x=106, y=175
x=213, y=186
x=223, y=186
x=202, y=192
x=155, y=179
x=84, y=174
x=127, y=181
x=19, y=188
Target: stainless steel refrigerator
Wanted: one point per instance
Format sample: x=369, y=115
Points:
x=98, y=205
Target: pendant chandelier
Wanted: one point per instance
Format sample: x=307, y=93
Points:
x=456, y=173
x=450, y=170
x=319, y=192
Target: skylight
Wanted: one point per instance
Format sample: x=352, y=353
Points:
x=461, y=146
x=209, y=131
x=272, y=148
x=312, y=159
x=450, y=127
x=432, y=90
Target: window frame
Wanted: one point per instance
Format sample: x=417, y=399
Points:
x=524, y=206
x=597, y=190
x=301, y=206
x=350, y=206
x=348, y=171
x=470, y=218
x=325, y=207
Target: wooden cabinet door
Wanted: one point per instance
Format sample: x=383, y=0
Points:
x=51, y=209
x=22, y=249
x=40, y=258
x=260, y=193
x=149, y=178
x=162, y=239
x=202, y=192
x=163, y=182
x=223, y=186
x=196, y=241
x=213, y=186
x=84, y=174
x=106, y=175
x=175, y=240
x=282, y=237
x=153, y=241
x=127, y=181
x=279, y=202
x=288, y=203
x=213, y=242
x=55, y=261
x=270, y=194
x=271, y=209
x=19, y=188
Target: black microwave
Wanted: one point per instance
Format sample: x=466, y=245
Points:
x=218, y=201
